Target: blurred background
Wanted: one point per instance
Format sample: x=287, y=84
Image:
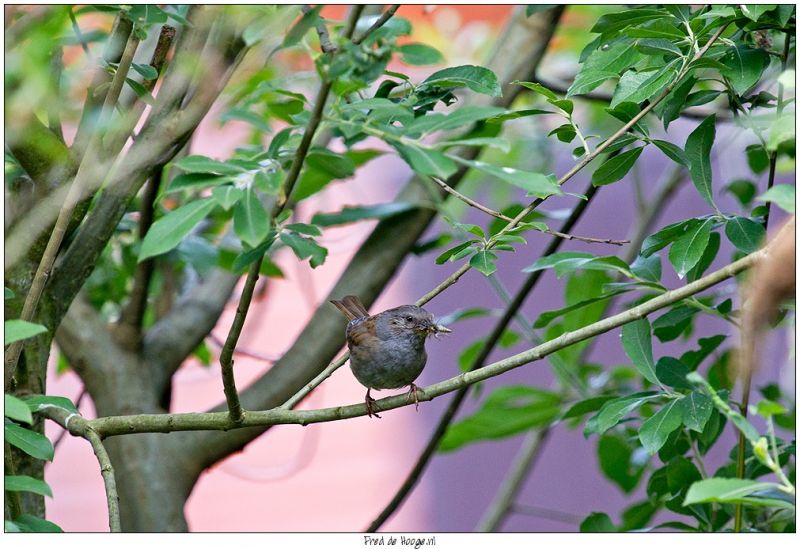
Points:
x=338, y=476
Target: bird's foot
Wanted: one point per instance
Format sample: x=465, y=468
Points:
x=371, y=406
x=412, y=393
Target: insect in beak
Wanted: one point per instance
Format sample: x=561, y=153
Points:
x=436, y=329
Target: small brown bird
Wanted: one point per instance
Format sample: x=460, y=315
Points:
x=387, y=350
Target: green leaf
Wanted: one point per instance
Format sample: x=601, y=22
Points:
x=17, y=330
x=7, y=293
x=538, y=88
x=499, y=143
x=672, y=372
x=167, y=232
x=250, y=221
x=30, y=442
x=465, y=115
x=147, y=71
x=745, y=66
x=338, y=166
x=658, y=46
x=30, y=523
x=420, y=54
x=782, y=195
x=426, y=161
x=698, y=151
x=478, y=79
x=314, y=180
x=672, y=324
x=304, y=228
x=724, y=490
x=548, y=316
x=615, y=456
x=305, y=247
x=301, y=27
x=707, y=258
x=194, y=180
x=585, y=406
x=505, y=412
x=636, y=87
x=744, y=233
x=743, y=190
x=227, y=196
x=202, y=164
x=536, y=184
x=655, y=430
x=24, y=483
x=16, y=409
x=673, y=151
x=614, y=410
x=638, y=346
x=587, y=81
x=484, y=261
x=613, y=22
x=688, y=249
x=697, y=408
x=672, y=106
x=615, y=168
x=667, y=235
x=692, y=359
x=647, y=268
x=597, y=522
x=38, y=402
x=351, y=214
x=556, y=260
x=140, y=91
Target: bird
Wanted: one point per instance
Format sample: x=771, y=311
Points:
x=387, y=350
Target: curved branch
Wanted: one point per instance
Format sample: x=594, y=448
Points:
x=79, y=427
x=166, y=423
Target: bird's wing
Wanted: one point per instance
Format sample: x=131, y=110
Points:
x=359, y=333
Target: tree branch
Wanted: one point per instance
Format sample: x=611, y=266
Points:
x=531, y=449
x=166, y=423
x=467, y=200
x=160, y=139
x=525, y=34
x=79, y=427
x=491, y=341
x=379, y=22
x=64, y=216
x=226, y=354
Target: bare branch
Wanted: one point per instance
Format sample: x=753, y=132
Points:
x=499, y=215
x=325, y=43
x=166, y=423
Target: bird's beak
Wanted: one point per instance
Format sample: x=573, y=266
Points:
x=436, y=329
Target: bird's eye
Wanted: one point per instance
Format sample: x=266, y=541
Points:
x=409, y=318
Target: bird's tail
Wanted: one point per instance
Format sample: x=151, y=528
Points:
x=351, y=307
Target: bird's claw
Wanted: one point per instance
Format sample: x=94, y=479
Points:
x=412, y=393
x=371, y=406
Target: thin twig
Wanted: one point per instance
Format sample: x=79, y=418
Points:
x=531, y=449
x=544, y=512
x=65, y=213
x=325, y=43
x=381, y=21
x=226, y=354
x=78, y=34
x=221, y=421
x=244, y=352
x=80, y=427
